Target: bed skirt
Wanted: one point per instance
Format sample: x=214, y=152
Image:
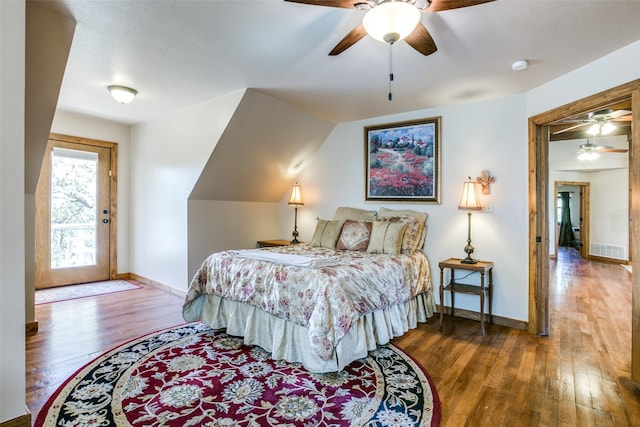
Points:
x=289, y=341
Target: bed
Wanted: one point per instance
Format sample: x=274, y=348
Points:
x=362, y=280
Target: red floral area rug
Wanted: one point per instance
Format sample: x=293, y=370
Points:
x=194, y=376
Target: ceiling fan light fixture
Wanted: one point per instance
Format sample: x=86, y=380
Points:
x=607, y=128
x=594, y=129
x=588, y=155
x=391, y=21
x=122, y=94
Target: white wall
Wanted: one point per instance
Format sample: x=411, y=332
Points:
x=617, y=68
x=12, y=205
x=218, y=225
x=168, y=156
x=79, y=125
x=609, y=208
x=489, y=135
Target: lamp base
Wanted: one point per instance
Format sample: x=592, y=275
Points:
x=469, y=250
x=295, y=240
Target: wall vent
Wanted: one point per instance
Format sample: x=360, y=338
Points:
x=608, y=251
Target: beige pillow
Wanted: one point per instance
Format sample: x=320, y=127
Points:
x=386, y=237
x=416, y=231
x=355, y=236
x=354, y=214
x=327, y=233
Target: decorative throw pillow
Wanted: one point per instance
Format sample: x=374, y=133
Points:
x=355, y=236
x=355, y=214
x=416, y=231
x=327, y=233
x=386, y=236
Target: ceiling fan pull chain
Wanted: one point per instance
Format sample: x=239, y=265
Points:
x=390, y=70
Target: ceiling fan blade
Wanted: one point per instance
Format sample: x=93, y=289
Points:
x=346, y=4
x=569, y=128
x=612, y=150
x=421, y=40
x=440, y=5
x=349, y=40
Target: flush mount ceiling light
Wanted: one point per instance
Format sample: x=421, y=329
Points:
x=122, y=94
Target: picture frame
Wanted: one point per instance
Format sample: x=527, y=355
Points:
x=402, y=161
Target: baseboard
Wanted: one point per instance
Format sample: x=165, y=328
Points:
x=497, y=320
x=160, y=286
x=21, y=421
x=32, y=328
x=607, y=260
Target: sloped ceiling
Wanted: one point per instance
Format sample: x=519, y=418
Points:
x=48, y=42
x=181, y=53
x=263, y=149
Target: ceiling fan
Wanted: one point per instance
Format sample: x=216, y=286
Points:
x=392, y=12
x=599, y=122
x=591, y=151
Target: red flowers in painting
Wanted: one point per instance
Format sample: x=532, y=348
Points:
x=399, y=173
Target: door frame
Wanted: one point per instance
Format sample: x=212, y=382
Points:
x=539, y=322
x=584, y=215
x=113, y=191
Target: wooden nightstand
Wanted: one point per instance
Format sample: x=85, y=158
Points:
x=482, y=267
x=271, y=243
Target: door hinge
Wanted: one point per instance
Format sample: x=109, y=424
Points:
x=538, y=239
x=110, y=174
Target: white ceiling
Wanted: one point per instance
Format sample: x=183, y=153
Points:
x=180, y=53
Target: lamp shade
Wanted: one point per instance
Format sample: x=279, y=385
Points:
x=296, y=196
x=122, y=94
x=391, y=21
x=469, y=199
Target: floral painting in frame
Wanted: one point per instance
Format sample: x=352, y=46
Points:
x=402, y=161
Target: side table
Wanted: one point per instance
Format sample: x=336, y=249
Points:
x=482, y=267
x=271, y=243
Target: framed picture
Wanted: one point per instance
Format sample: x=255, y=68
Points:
x=402, y=161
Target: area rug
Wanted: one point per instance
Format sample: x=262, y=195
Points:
x=62, y=293
x=192, y=375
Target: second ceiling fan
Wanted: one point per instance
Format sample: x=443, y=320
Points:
x=404, y=15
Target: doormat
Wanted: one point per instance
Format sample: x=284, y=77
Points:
x=84, y=290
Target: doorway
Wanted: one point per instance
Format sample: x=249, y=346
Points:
x=539, y=209
x=75, y=212
x=580, y=220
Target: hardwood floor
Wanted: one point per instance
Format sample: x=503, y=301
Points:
x=577, y=376
x=72, y=333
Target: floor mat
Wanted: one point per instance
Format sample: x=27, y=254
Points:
x=62, y=293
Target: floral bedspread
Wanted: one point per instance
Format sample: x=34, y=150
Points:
x=325, y=300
